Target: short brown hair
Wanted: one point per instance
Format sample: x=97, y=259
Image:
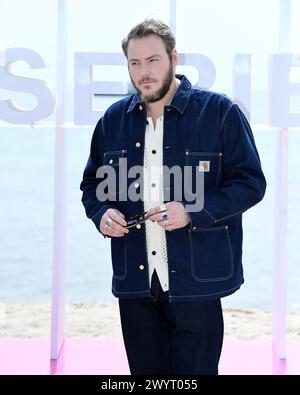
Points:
x=147, y=28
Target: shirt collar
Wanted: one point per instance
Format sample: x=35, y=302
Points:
x=180, y=100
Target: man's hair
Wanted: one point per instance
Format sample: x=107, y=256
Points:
x=147, y=28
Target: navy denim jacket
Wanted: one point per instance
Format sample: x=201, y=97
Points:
x=205, y=257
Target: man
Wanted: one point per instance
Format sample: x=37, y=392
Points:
x=172, y=268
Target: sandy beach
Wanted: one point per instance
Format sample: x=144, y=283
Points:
x=102, y=320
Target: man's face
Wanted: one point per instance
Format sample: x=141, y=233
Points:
x=150, y=68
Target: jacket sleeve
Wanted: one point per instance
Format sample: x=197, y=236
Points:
x=94, y=207
x=243, y=183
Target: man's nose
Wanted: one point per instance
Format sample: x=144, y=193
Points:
x=144, y=70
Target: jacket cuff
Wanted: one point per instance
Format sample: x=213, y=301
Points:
x=97, y=217
x=199, y=219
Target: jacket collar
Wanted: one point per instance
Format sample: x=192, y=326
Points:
x=180, y=100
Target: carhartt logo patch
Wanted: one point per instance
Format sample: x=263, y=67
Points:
x=204, y=165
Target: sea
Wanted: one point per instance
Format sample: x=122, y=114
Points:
x=26, y=223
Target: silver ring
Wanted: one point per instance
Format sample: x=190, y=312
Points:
x=163, y=207
x=108, y=223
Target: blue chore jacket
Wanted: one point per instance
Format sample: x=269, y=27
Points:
x=208, y=133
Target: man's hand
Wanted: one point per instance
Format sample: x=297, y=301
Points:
x=112, y=223
x=174, y=217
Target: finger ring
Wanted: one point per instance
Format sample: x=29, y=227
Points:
x=163, y=207
x=164, y=215
x=108, y=223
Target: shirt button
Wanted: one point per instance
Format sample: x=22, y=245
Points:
x=140, y=107
x=137, y=144
x=111, y=161
x=136, y=185
x=154, y=151
x=141, y=267
x=138, y=226
x=153, y=184
x=153, y=252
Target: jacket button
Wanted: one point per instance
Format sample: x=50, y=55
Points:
x=137, y=144
x=111, y=161
x=195, y=227
x=138, y=226
x=140, y=107
x=141, y=267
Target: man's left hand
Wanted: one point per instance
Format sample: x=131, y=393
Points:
x=174, y=217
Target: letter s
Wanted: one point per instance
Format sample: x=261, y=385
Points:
x=9, y=112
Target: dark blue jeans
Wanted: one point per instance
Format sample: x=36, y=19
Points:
x=171, y=338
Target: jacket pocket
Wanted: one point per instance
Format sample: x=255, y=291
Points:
x=115, y=165
x=118, y=257
x=211, y=254
x=207, y=163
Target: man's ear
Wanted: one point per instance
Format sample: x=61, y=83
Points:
x=175, y=57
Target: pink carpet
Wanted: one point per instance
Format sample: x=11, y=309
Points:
x=107, y=357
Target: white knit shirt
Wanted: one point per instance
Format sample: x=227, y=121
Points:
x=153, y=196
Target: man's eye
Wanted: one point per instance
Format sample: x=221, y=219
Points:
x=153, y=60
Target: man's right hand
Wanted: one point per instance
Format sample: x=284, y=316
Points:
x=117, y=223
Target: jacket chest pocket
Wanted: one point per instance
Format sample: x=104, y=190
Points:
x=115, y=166
x=204, y=164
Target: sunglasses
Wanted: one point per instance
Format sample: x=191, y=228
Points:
x=136, y=219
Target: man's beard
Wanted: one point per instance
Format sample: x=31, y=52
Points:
x=161, y=92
